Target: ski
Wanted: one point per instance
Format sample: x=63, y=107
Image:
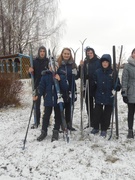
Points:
x=81, y=90
x=59, y=96
x=115, y=80
x=116, y=104
x=87, y=91
x=72, y=93
x=33, y=85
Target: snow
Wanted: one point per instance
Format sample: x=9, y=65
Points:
x=83, y=158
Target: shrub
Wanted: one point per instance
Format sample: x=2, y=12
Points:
x=10, y=89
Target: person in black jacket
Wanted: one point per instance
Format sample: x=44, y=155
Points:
x=90, y=64
x=40, y=63
x=104, y=86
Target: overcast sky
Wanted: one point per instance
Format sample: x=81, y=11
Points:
x=103, y=22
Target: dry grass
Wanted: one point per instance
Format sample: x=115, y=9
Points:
x=10, y=89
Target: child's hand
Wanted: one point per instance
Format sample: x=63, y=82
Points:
x=81, y=62
x=57, y=77
x=31, y=70
x=35, y=98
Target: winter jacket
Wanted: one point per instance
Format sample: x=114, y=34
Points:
x=89, y=68
x=104, y=83
x=39, y=65
x=128, y=80
x=67, y=67
x=47, y=88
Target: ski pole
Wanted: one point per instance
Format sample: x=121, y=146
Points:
x=115, y=107
x=72, y=91
x=24, y=142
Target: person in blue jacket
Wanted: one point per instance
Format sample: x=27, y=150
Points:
x=40, y=63
x=104, y=86
x=90, y=64
x=47, y=89
x=67, y=64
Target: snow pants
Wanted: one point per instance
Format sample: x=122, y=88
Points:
x=131, y=112
x=102, y=115
x=46, y=117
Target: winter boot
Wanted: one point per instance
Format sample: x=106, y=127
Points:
x=42, y=136
x=130, y=134
x=34, y=126
x=103, y=133
x=95, y=131
x=55, y=135
x=69, y=127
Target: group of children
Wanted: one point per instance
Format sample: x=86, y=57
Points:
x=99, y=86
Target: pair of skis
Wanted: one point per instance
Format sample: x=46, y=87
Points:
x=59, y=96
x=81, y=89
x=72, y=93
x=115, y=79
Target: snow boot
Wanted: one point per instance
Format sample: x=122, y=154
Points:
x=42, y=136
x=103, y=133
x=95, y=131
x=35, y=125
x=55, y=135
x=130, y=134
x=69, y=127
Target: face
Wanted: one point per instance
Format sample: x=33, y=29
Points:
x=42, y=53
x=105, y=64
x=66, y=54
x=90, y=54
x=133, y=55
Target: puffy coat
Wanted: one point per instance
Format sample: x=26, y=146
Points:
x=128, y=80
x=104, y=83
x=47, y=88
x=90, y=66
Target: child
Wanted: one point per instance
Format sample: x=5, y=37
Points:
x=128, y=91
x=47, y=88
x=104, y=85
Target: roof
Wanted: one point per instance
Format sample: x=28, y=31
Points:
x=14, y=56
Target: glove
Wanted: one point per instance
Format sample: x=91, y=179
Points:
x=74, y=71
x=125, y=99
x=75, y=96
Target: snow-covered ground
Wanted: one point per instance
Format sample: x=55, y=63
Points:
x=87, y=158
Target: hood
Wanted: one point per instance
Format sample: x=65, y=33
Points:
x=131, y=61
x=42, y=47
x=106, y=57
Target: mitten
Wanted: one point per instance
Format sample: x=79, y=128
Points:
x=74, y=71
x=125, y=99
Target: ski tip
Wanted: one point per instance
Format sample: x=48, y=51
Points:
x=109, y=138
x=23, y=147
x=67, y=139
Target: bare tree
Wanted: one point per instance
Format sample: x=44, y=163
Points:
x=25, y=21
